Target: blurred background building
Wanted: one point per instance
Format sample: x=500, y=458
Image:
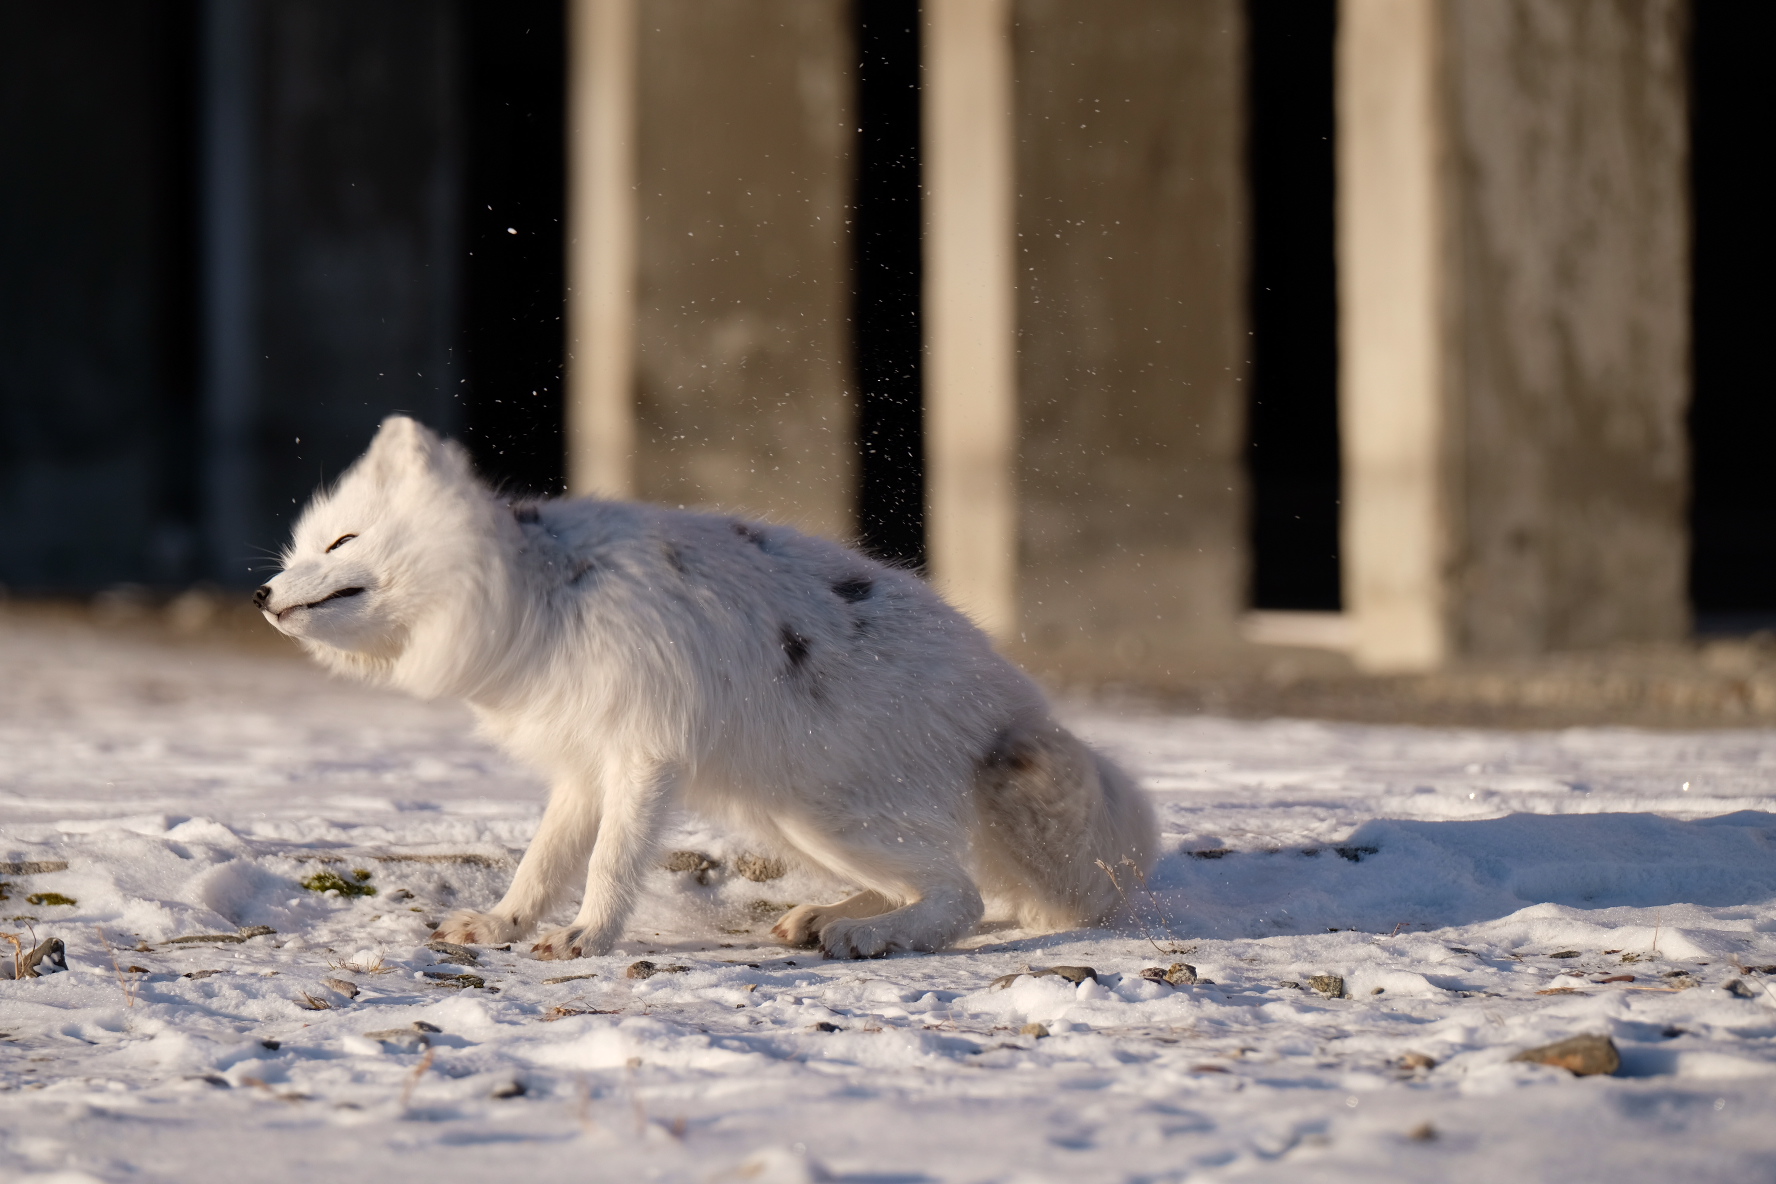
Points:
x=1416, y=330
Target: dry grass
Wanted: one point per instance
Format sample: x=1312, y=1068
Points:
x=419, y=1071
x=127, y=984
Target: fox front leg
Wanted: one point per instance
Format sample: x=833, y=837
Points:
x=551, y=866
x=627, y=836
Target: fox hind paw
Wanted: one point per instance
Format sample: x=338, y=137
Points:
x=856, y=939
x=800, y=926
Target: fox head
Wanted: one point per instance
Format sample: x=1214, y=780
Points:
x=396, y=544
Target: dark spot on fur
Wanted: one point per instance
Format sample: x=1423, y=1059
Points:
x=796, y=646
x=853, y=590
x=583, y=568
x=755, y=537
x=525, y=514
x=1009, y=753
x=675, y=559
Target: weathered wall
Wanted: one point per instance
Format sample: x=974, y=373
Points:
x=1568, y=156
x=1132, y=331
x=743, y=293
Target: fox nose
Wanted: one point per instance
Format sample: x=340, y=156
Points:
x=261, y=596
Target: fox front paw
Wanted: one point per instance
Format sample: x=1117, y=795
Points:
x=560, y=945
x=466, y=927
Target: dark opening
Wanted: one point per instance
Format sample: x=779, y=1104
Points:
x=513, y=333
x=98, y=416
x=1293, y=421
x=885, y=313
x=1733, y=412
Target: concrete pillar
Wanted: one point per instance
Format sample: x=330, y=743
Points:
x=1393, y=251
x=969, y=307
x=1514, y=325
x=1131, y=262
x=601, y=247
x=744, y=132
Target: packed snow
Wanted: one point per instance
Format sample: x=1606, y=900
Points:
x=1478, y=894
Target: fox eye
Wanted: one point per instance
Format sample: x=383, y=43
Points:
x=341, y=541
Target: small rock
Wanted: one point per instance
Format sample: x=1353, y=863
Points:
x=422, y=1026
x=273, y=1045
x=1583, y=1056
x=449, y=951
x=1073, y=974
x=508, y=1089
x=1424, y=1132
x=1329, y=985
x=463, y=982
x=195, y=938
x=1178, y=974
x=201, y=973
x=49, y=958
x=566, y=978
x=646, y=969
x=404, y=1039
x=1418, y=1060
x=257, y=931
x=824, y=1026
x=760, y=869
x=33, y=867
x=1736, y=986
x=1378, y=990
x=344, y=986
x=1033, y=1029
x=1564, y=954
x=694, y=862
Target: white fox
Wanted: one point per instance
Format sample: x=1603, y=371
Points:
x=784, y=685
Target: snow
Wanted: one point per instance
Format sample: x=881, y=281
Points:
x=189, y=789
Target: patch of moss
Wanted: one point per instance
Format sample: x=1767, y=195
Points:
x=334, y=882
x=43, y=898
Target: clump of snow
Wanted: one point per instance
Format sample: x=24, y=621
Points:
x=1477, y=893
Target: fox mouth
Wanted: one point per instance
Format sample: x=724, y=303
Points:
x=341, y=594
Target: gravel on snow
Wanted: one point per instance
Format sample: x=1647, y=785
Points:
x=1379, y=920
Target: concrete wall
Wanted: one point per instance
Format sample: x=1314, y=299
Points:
x=1132, y=332
x=743, y=288
x=1568, y=120
x=1514, y=321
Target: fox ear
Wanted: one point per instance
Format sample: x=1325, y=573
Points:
x=404, y=449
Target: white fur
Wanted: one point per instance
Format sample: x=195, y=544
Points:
x=643, y=657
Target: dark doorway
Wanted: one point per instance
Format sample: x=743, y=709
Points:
x=513, y=337
x=1293, y=418
x=98, y=416
x=1733, y=412
x=885, y=316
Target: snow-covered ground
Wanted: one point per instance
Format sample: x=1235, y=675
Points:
x=1472, y=889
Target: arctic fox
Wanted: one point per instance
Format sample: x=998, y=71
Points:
x=644, y=658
